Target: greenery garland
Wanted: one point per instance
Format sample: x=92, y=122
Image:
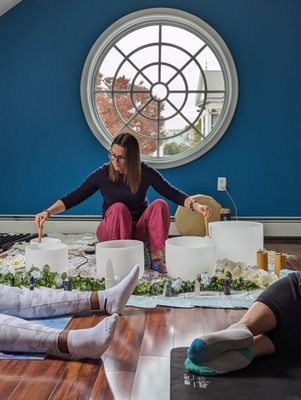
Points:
x=155, y=287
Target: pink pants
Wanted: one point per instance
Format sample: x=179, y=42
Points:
x=152, y=226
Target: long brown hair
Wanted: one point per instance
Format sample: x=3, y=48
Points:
x=132, y=176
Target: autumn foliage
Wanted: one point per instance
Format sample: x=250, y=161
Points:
x=127, y=107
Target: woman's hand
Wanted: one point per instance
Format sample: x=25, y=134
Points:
x=41, y=217
x=197, y=207
x=202, y=209
x=55, y=208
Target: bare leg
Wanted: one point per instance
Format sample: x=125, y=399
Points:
x=262, y=346
x=259, y=319
x=156, y=254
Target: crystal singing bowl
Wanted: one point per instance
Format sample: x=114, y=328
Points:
x=188, y=256
x=237, y=240
x=50, y=251
x=120, y=256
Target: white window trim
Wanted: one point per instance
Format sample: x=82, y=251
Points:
x=146, y=17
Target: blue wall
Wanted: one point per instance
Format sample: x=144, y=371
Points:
x=47, y=147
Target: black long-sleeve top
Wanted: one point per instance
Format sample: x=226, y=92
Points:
x=120, y=192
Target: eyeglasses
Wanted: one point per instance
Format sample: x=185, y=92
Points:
x=113, y=156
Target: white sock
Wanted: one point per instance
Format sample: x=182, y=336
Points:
x=92, y=342
x=114, y=299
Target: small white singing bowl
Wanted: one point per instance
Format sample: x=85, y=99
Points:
x=45, y=243
x=122, y=255
x=50, y=251
x=237, y=240
x=188, y=256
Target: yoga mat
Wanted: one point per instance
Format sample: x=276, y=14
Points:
x=267, y=378
x=204, y=299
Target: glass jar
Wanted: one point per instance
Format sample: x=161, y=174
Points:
x=225, y=214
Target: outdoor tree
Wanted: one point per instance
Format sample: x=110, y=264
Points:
x=173, y=148
x=127, y=107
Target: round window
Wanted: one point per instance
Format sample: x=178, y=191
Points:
x=165, y=76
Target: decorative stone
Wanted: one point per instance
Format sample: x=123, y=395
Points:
x=188, y=256
x=237, y=240
x=121, y=255
x=50, y=251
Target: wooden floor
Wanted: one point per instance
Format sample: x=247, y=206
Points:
x=136, y=365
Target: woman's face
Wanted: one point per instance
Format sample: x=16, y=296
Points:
x=118, y=158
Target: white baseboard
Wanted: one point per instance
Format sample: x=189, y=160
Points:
x=273, y=226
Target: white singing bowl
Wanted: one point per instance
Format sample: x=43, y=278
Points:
x=50, y=251
x=188, y=256
x=237, y=240
x=121, y=255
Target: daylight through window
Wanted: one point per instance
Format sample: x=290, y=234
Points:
x=166, y=77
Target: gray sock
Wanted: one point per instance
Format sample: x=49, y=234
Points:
x=226, y=362
x=210, y=346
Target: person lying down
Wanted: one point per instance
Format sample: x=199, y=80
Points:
x=19, y=335
x=271, y=325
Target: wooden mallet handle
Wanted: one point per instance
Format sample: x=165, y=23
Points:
x=206, y=226
x=40, y=233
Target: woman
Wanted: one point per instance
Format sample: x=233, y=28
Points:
x=16, y=334
x=272, y=324
x=124, y=183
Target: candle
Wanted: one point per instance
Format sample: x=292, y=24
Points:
x=278, y=266
x=262, y=260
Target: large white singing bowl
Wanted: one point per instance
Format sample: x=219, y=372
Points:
x=121, y=255
x=188, y=256
x=237, y=240
x=50, y=251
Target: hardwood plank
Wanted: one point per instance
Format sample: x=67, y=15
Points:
x=86, y=320
x=12, y=367
x=152, y=379
x=8, y=384
x=77, y=380
x=124, y=351
x=189, y=324
x=110, y=385
x=159, y=332
x=38, y=381
x=213, y=320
